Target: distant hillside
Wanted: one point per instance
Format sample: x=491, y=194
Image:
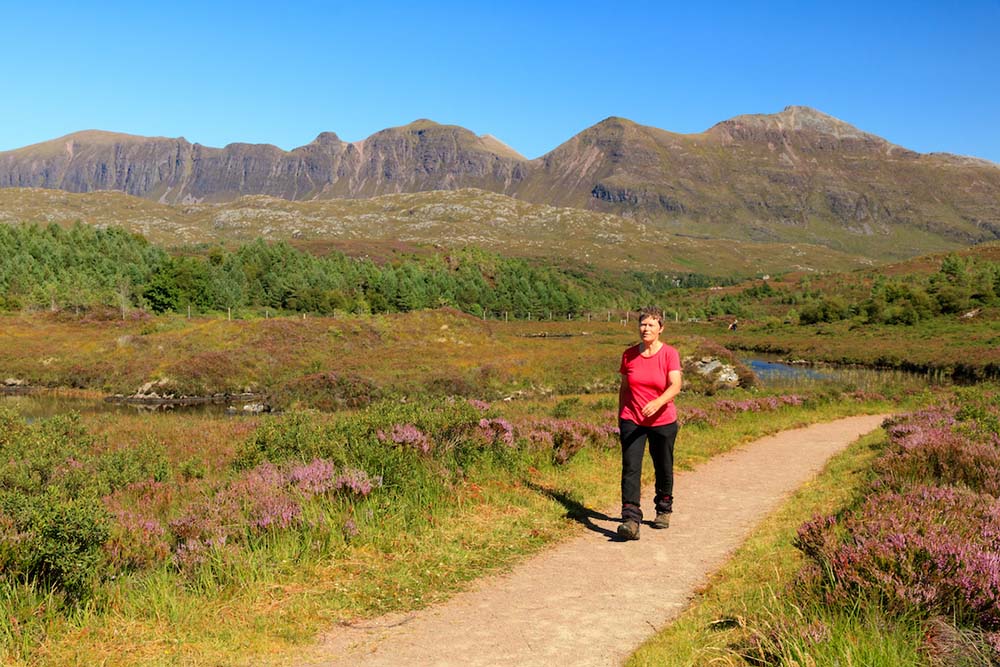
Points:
x=798, y=176
x=448, y=218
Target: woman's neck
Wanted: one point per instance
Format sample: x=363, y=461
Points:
x=650, y=348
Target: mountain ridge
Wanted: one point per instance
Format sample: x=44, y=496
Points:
x=799, y=175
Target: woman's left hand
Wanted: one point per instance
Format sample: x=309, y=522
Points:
x=651, y=408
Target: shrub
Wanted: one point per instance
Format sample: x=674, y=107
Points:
x=52, y=524
x=126, y=466
x=35, y=456
x=292, y=436
x=53, y=540
x=566, y=407
x=328, y=391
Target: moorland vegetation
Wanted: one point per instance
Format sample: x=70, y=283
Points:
x=419, y=223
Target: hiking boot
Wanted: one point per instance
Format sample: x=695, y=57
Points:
x=662, y=520
x=629, y=529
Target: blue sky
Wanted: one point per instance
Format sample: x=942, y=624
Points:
x=925, y=75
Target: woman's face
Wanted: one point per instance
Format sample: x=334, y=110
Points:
x=649, y=329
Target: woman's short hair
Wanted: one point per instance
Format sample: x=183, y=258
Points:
x=653, y=312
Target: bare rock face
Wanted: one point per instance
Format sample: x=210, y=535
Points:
x=421, y=156
x=425, y=156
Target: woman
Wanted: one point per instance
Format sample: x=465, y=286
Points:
x=651, y=378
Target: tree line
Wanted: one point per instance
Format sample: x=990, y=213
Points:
x=959, y=286
x=82, y=267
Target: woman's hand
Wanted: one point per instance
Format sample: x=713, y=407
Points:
x=652, y=407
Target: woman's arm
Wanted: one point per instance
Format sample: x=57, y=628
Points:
x=673, y=389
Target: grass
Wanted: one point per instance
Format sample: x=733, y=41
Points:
x=440, y=352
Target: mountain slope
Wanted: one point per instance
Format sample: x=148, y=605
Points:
x=414, y=222
x=796, y=176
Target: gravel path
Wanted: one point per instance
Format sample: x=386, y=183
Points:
x=594, y=599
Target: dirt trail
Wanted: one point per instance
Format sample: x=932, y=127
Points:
x=594, y=599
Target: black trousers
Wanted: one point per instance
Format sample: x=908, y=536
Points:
x=661, y=450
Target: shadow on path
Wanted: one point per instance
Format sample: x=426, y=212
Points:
x=577, y=511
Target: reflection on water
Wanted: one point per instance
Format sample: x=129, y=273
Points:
x=40, y=405
x=774, y=373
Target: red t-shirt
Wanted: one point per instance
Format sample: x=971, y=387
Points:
x=645, y=379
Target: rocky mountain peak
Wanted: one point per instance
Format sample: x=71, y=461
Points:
x=425, y=124
x=798, y=124
x=326, y=139
x=614, y=124
x=806, y=118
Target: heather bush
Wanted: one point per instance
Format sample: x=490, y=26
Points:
x=135, y=541
x=691, y=416
x=482, y=406
x=723, y=408
x=941, y=455
x=406, y=435
x=270, y=497
x=925, y=539
x=497, y=431
x=931, y=549
x=564, y=438
x=413, y=449
x=763, y=404
x=424, y=447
